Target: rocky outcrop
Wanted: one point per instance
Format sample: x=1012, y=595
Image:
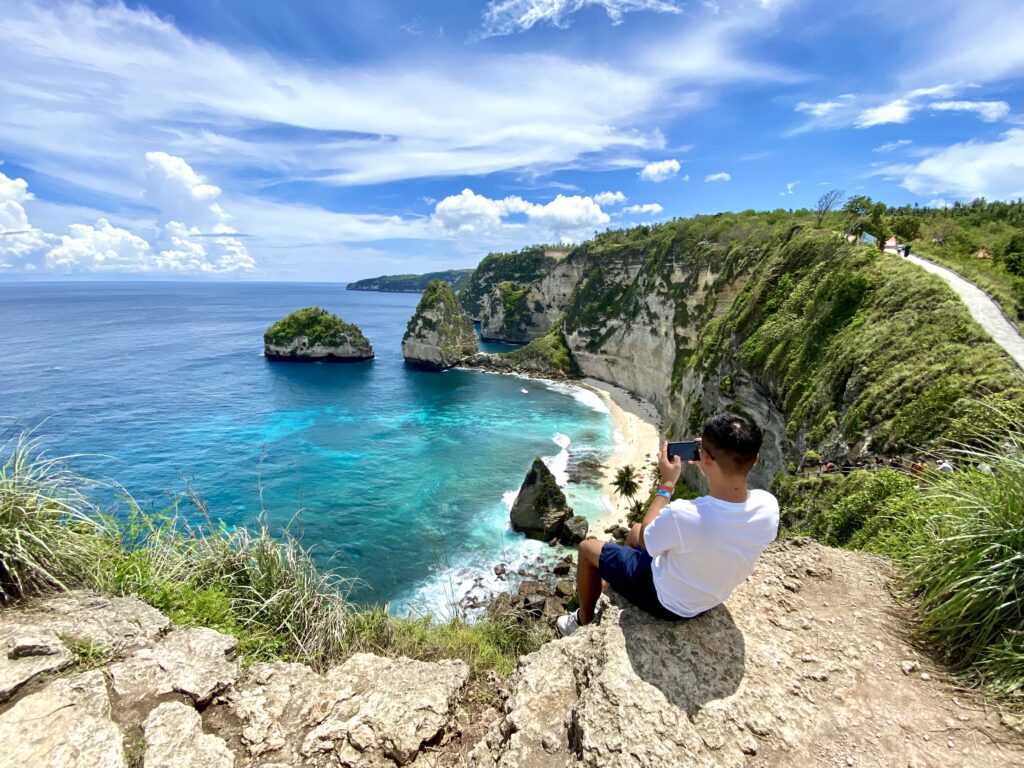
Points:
x=540, y=510
x=520, y=312
x=65, y=725
x=803, y=665
x=806, y=664
x=574, y=530
x=174, y=739
x=440, y=333
x=313, y=335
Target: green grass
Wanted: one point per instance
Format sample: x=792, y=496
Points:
x=263, y=589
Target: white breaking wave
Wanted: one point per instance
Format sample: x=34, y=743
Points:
x=585, y=396
x=559, y=464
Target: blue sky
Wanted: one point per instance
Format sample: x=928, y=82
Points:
x=335, y=140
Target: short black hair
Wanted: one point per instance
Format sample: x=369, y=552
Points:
x=732, y=440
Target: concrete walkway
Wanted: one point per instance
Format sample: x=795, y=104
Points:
x=982, y=308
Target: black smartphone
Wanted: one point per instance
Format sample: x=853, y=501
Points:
x=687, y=450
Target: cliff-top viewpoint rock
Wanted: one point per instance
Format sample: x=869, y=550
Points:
x=440, y=333
x=313, y=334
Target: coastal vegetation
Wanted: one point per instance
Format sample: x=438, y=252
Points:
x=411, y=283
x=260, y=586
x=958, y=537
x=314, y=333
x=516, y=267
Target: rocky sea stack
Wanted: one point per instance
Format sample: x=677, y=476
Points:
x=441, y=333
x=313, y=334
x=541, y=511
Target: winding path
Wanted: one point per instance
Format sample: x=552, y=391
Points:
x=982, y=308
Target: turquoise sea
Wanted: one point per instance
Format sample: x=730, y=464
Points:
x=398, y=478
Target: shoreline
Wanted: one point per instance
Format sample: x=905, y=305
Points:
x=637, y=438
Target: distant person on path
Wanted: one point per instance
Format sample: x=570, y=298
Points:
x=906, y=251
x=686, y=557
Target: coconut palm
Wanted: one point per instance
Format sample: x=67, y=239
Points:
x=625, y=482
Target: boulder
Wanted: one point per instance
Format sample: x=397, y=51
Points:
x=574, y=530
x=65, y=725
x=175, y=739
x=196, y=662
x=540, y=509
x=375, y=711
x=34, y=640
x=314, y=334
x=440, y=333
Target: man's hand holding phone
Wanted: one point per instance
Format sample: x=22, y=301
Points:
x=669, y=469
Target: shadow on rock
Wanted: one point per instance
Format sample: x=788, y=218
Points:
x=691, y=662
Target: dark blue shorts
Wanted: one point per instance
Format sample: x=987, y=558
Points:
x=628, y=571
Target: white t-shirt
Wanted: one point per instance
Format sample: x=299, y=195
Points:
x=703, y=549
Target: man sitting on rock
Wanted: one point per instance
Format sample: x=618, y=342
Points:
x=686, y=557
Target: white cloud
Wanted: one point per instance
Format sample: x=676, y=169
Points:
x=660, y=170
x=178, y=192
x=18, y=238
x=713, y=177
x=99, y=248
x=790, y=188
x=938, y=202
x=895, y=111
x=971, y=169
x=651, y=208
x=188, y=252
x=503, y=17
x=989, y=111
x=890, y=146
x=823, y=108
x=609, y=198
x=566, y=218
x=974, y=42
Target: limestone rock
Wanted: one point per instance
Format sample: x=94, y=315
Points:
x=196, y=662
x=273, y=704
x=175, y=739
x=65, y=725
x=440, y=333
x=630, y=690
x=314, y=334
x=374, y=711
x=540, y=509
x=574, y=530
x=32, y=640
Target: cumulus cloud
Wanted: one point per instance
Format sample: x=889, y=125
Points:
x=660, y=170
x=790, y=188
x=566, y=218
x=18, y=238
x=989, y=111
x=713, y=177
x=993, y=169
x=505, y=17
x=890, y=146
x=104, y=247
x=609, y=198
x=99, y=248
x=652, y=208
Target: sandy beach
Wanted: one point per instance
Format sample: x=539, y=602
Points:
x=636, y=424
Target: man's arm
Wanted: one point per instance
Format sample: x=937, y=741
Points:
x=669, y=471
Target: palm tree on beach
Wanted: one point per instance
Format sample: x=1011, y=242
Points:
x=625, y=482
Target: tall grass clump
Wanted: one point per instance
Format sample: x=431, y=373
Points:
x=50, y=536
x=969, y=577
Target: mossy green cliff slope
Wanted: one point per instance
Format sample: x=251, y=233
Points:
x=440, y=333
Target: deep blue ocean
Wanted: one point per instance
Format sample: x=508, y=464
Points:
x=396, y=477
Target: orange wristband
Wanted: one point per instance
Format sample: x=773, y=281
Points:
x=667, y=487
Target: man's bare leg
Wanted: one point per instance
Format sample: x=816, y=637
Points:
x=633, y=539
x=588, y=578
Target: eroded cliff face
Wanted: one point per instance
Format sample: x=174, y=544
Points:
x=440, y=333
x=523, y=311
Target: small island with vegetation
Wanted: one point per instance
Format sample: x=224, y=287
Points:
x=411, y=283
x=314, y=334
